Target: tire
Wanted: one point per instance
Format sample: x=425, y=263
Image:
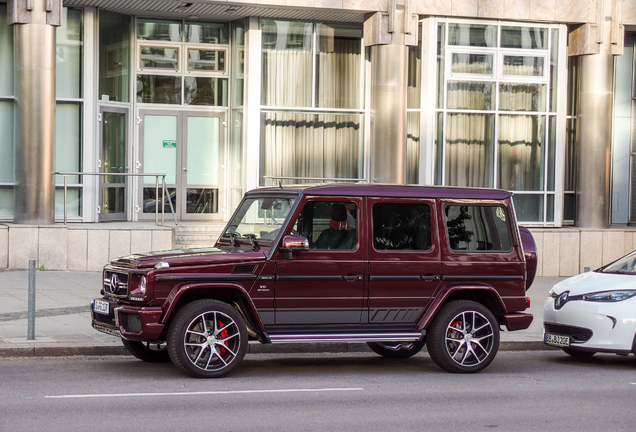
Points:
x=207, y=339
x=397, y=349
x=464, y=337
x=147, y=351
x=578, y=353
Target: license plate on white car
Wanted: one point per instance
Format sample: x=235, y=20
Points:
x=101, y=306
x=557, y=340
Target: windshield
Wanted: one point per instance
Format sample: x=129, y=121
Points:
x=259, y=218
x=625, y=265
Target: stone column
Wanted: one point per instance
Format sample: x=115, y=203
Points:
x=389, y=35
x=34, y=49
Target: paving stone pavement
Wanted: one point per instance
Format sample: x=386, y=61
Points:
x=63, y=323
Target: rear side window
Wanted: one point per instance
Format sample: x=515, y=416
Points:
x=401, y=226
x=477, y=228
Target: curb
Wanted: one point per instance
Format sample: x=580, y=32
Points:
x=253, y=348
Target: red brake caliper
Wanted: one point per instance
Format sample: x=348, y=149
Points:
x=223, y=335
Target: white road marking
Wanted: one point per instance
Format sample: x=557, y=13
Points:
x=204, y=393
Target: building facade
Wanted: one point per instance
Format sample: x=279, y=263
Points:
x=532, y=96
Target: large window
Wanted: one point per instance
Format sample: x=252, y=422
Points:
x=6, y=116
x=312, y=101
x=496, y=112
x=182, y=63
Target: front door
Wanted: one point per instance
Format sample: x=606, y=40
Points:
x=189, y=148
x=112, y=159
x=324, y=285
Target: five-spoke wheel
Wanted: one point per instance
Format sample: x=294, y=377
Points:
x=207, y=339
x=464, y=337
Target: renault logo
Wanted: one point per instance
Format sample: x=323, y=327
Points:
x=113, y=287
x=561, y=300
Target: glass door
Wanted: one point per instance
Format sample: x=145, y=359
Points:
x=189, y=148
x=202, y=162
x=112, y=159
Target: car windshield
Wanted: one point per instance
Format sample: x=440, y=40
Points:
x=625, y=265
x=259, y=218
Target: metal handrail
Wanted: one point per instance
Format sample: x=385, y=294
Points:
x=155, y=175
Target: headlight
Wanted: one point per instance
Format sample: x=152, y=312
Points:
x=142, y=285
x=609, y=296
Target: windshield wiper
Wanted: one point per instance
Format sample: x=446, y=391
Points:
x=252, y=238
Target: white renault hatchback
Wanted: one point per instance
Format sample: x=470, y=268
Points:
x=594, y=311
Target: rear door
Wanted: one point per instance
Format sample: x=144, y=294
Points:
x=404, y=259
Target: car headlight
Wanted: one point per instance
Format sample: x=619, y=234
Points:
x=142, y=285
x=610, y=296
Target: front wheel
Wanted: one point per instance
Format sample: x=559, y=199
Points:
x=397, y=349
x=207, y=339
x=150, y=352
x=464, y=337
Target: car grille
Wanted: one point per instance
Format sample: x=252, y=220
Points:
x=115, y=283
x=130, y=322
x=578, y=334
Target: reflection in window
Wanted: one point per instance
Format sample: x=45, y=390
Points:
x=208, y=33
x=114, y=56
x=524, y=37
x=471, y=228
x=158, y=89
x=401, y=226
x=206, y=91
x=523, y=65
x=206, y=60
x=521, y=152
x=158, y=30
x=470, y=95
x=478, y=35
x=202, y=200
x=159, y=58
x=522, y=97
x=481, y=64
x=151, y=202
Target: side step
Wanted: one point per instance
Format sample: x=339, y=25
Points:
x=348, y=337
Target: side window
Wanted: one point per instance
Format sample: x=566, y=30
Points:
x=401, y=226
x=329, y=224
x=477, y=228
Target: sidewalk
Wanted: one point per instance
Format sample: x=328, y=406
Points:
x=63, y=323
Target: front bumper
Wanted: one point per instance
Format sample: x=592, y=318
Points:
x=130, y=322
x=612, y=325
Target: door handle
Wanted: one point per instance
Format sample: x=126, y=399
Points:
x=430, y=278
x=352, y=278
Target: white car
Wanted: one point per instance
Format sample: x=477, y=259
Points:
x=594, y=311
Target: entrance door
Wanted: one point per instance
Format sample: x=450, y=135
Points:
x=112, y=159
x=189, y=148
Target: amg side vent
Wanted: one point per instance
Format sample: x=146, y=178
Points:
x=244, y=269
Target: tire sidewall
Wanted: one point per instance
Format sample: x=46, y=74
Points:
x=436, y=336
x=179, y=326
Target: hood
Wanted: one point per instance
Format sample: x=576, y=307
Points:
x=188, y=257
x=591, y=282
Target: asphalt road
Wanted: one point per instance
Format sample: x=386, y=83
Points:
x=520, y=391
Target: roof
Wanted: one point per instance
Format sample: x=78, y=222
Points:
x=388, y=190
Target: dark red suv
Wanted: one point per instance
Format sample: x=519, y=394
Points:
x=393, y=266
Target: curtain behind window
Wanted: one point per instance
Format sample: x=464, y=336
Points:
x=469, y=149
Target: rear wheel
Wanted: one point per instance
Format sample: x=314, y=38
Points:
x=207, y=339
x=578, y=353
x=464, y=337
x=150, y=352
x=397, y=349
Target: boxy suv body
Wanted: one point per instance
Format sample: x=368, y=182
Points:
x=396, y=267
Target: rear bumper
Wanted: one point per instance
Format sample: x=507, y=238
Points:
x=129, y=322
x=517, y=321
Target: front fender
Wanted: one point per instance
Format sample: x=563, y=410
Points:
x=180, y=290
x=448, y=290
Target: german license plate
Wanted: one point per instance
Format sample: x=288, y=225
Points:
x=101, y=306
x=557, y=340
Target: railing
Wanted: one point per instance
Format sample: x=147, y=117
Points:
x=272, y=179
x=156, y=176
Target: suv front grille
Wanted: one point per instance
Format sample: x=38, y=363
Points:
x=578, y=334
x=115, y=283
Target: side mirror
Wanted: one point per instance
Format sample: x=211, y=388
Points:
x=293, y=243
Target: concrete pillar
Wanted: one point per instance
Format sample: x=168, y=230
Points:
x=389, y=35
x=595, y=137
x=34, y=50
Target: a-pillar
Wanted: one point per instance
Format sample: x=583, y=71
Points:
x=389, y=35
x=34, y=24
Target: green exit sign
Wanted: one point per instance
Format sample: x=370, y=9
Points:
x=169, y=144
